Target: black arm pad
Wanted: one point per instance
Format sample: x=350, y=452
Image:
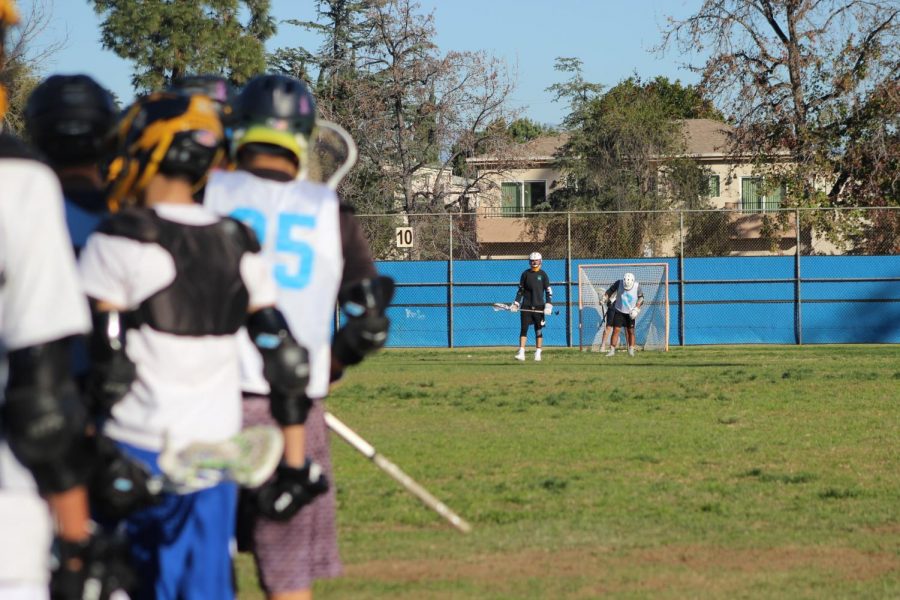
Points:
x=285, y=365
x=111, y=372
x=45, y=418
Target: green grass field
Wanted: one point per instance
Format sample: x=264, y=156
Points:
x=704, y=472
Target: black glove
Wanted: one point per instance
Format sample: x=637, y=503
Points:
x=359, y=337
x=291, y=489
x=94, y=568
x=119, y=484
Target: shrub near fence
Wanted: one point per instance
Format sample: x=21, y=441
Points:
x=775, y=295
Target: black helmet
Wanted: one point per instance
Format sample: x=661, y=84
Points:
x=276, y=110
x=167, y=133
x=216, y=87
x=71, y=118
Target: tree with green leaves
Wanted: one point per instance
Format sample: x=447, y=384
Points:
x=412, y=109
x=168, y=39
x=624, y=153
x=815, y=82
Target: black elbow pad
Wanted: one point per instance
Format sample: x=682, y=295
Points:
x=285, y=365
x=45, y=418
x=111, y=372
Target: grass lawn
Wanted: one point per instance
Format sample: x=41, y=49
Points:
x=704, y=472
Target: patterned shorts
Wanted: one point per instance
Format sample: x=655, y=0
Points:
x=291, y=555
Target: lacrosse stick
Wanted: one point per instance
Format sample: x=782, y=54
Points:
x=248, y=458
x=335, y=152
x=500, y=306
x=366, y=449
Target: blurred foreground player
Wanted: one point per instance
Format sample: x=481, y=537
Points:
x=320, y=256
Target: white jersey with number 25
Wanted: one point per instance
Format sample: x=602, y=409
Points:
x=298, y=226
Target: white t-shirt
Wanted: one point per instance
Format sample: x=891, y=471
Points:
x=298, y=226
x=40, y=301
x=187, y=387
x=626, y=300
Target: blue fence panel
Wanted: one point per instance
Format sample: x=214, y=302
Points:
x=727, y=300
x=837, y=312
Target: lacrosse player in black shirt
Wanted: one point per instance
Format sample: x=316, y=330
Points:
x=534, y=297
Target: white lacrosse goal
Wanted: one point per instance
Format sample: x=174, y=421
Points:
x=652, y=327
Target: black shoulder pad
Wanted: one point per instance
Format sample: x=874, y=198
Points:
x=133, y=223
x=240, y=232
x=346, y=208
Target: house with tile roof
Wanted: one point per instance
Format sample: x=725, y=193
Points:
x=529, y=179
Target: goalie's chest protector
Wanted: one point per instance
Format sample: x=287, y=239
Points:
x=208, y=295
x=298, y=226
x=627, y=299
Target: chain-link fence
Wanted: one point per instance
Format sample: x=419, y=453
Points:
x=783, y=276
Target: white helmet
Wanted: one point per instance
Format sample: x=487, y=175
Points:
x=534, y=257
x=628, y=280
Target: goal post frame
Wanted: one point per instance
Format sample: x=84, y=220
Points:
x=624, y=267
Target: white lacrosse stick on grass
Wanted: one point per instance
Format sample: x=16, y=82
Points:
x=248, y=458
x=367, y=450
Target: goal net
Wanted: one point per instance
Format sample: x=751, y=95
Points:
x=652, y=327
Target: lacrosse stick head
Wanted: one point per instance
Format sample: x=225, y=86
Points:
x=248, y=459
x=333, y=154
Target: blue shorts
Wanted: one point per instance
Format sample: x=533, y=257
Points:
x=181, y=547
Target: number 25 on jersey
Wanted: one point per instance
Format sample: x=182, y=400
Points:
x=292, y=278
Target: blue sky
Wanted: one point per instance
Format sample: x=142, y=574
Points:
x=613, y=38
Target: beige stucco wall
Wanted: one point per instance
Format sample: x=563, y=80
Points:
x=491, y=197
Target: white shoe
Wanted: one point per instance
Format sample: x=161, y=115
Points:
x=520, y=355
x=603, y=348
x=537, y=355
x=612, y=352
x=631, y=352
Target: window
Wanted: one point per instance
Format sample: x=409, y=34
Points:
x=756, y=197
x=535, y=193
x=518, y=197
x=713, y=186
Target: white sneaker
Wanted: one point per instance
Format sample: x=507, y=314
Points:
x=603, y=348
x=537, y=355
x=612, y=351
x=520, y=355
x=631, y=352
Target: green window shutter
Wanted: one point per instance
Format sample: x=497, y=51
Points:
x=713, y=186
x=510, y=198
x=751, y=201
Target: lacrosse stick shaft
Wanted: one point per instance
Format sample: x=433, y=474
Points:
x=367, y=450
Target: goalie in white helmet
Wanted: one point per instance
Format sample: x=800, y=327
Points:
x=629, y=298
x=534, y=297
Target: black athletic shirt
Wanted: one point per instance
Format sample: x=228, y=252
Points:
x=533, y=287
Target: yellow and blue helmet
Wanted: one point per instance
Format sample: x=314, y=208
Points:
x=166, y=133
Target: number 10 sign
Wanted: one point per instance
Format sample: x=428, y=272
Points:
x=404, y=236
